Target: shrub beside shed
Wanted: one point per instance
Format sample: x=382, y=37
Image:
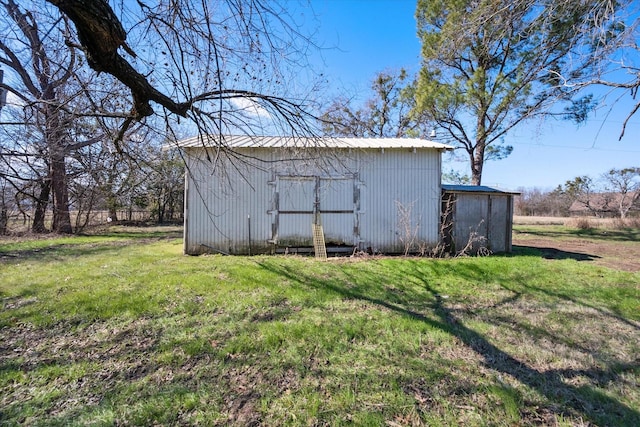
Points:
x=478, y=216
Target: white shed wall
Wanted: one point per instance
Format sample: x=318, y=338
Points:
x=222, y=209
x=404, y=177
x=242, y=210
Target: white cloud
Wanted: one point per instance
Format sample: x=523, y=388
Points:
x=250, y=107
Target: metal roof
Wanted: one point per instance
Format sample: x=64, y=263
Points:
x=245, y=141
x=474, y=189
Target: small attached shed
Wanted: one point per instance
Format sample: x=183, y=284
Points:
x=263, y=194
x=478, y=216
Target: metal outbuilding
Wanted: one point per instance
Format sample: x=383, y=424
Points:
x=478, y=216
x=262, y=194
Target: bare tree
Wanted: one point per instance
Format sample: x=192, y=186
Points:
x=585, y=191
x=625, y=183
x=4, y=204
x=166, y=185
x=389, y=112
x=620, y=72
x=36, y=51
x=24, y=165
x=221, y=65
x=205, y=61
x=537, y=202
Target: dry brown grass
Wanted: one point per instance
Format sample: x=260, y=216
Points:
x=578, y=222
x=538, y=220
x=582, y=223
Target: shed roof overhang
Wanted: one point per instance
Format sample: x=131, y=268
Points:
x=448, y=188
x=245, y=141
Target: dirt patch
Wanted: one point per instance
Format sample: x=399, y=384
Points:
x=624, y=256
x=244, y=410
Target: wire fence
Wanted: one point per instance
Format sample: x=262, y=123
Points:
x=22, y=222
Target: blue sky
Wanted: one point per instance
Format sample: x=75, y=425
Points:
x=363, y=37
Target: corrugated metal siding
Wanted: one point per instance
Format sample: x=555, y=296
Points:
x=360, y=191
x=498, y=224
x=470, y=216
x=221, y=208
x=399, y=176
x=490, y=215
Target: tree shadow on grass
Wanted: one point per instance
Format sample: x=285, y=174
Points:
x=610, y=313
x=106, y=243
x=582, y=401
x=59, y=251
x=149, y=233
x=553, y=253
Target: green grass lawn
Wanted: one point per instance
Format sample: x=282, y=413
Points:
x=122, y=329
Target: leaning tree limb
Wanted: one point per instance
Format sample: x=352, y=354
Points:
x=101, y=34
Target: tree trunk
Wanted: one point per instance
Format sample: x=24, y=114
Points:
x=61, y=215
x=477, y=163
x=42, y=201
x=477, y=159
x=4, y=219
x=623, y=209
x=476, y=173
x=112, y=204
x=4, y=213
x=55, y=139
x=171, y=209
x=161, y=208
